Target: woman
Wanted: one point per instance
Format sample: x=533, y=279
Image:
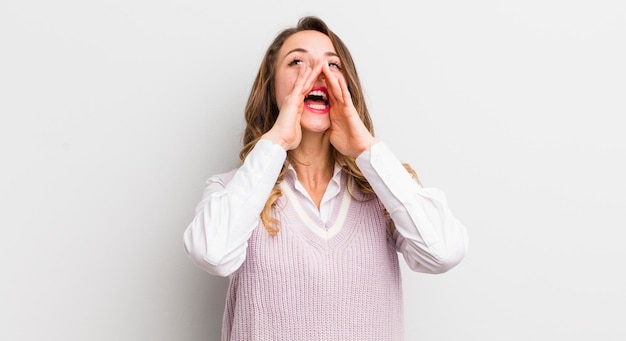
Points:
x=309, y=227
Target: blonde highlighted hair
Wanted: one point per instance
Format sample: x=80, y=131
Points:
x=261, y=111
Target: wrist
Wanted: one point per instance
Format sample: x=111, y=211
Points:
x=365, y=146
x=275, y=140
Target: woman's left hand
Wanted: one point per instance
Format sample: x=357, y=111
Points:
x=347, y=132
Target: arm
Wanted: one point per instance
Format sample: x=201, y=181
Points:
x=429, y=237
x=217, y=238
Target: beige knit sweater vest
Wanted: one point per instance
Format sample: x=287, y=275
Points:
x=338, y=280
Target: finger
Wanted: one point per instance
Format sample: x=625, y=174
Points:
x=296, y=97
x=332, y=82
x=312, y=77
x=303, y=75
x=343, y=84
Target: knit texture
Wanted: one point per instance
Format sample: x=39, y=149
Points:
x=317, y=281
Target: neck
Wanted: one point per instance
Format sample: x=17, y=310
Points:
x=314, y=164
x=314, y=154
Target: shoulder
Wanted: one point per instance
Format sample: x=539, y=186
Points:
x=222, y=178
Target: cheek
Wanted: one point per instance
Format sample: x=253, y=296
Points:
x=280, y=94
x=284, y=86
x=337, y=72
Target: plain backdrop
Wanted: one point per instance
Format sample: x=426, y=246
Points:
x=114, y=113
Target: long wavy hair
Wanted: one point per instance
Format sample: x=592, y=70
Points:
x=261, y=111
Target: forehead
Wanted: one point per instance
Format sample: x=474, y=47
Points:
x=311, y=41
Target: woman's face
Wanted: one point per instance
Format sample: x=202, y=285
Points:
x=306, y=49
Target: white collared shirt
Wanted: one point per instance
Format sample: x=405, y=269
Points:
x=429, y=237
x=328, y=200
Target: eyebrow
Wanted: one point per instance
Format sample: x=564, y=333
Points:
x=299, y=49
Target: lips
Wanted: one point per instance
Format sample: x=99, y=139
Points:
x=317, y=100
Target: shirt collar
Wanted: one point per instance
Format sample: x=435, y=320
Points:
x=331, y=191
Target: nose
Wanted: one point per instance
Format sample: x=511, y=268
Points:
x=317, y=63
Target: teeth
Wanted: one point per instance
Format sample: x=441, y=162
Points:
x=317, y=106
x=318, y=93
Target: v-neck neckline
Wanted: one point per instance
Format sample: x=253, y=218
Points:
x=312, y=225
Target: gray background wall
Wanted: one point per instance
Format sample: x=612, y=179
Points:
x=113, y=114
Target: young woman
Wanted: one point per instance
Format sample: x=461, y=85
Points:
x=309, y=227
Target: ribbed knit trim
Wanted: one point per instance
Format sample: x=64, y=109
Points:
x=308, y=284
x=325, y=233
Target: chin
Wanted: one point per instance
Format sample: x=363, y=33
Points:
x=316, y=129
x=315, y=124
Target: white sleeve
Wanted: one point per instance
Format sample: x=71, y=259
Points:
x=217, y=238
x=429, y=237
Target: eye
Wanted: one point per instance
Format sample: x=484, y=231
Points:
x=295, y=61
x=335, y=65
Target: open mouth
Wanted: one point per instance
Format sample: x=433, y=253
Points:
x=317, y=99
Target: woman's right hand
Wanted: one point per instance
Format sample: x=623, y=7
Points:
x=286, y=131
